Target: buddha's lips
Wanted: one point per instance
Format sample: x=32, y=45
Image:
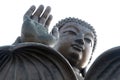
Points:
x=77, y=47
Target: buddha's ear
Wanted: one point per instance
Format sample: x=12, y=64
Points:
x=55, y=33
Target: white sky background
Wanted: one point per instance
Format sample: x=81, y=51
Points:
x=103, y=15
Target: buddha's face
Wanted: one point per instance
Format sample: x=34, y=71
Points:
x=76, y=44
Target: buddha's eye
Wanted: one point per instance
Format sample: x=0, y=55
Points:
x=87, y=40
x=69, y=32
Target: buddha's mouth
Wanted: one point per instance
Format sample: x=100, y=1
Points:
x=77, y=47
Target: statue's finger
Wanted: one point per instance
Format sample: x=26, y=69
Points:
x=38, y=12
x=30, y=11
x=48, y=21
x=45, y=15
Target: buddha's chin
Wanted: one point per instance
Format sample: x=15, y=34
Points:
x=73, y=59
x=74, y=56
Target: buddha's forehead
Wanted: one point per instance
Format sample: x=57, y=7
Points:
x=76, y=27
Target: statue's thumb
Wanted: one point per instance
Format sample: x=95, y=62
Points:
x=55, y=33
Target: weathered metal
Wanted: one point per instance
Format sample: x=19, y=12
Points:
x=33, y=61
x=106, y=66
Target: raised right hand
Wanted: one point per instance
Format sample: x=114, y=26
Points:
x=35, y=26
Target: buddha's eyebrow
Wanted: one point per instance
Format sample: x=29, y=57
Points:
x=71, y=27
x=90, y=34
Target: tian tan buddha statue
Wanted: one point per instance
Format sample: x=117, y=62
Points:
x=31, y=57
x=62, y=54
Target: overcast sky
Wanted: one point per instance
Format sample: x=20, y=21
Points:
x=104, y=15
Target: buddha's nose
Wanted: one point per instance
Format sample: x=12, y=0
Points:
x=80, y=39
